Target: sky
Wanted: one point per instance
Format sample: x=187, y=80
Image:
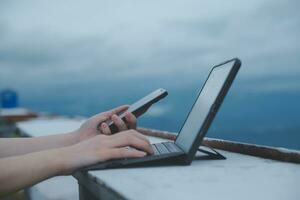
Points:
x=76, y=53
x=62, y=40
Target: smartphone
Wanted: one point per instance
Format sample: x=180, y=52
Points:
x=139, y=107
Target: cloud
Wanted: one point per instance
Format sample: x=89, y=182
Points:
x=91, y=40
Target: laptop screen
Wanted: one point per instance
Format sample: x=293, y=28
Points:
x=202, y=107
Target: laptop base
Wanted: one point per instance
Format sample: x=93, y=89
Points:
x=210, y=154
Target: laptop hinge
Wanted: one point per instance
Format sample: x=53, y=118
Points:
x=213, y=154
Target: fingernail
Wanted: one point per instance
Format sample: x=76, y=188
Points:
x=114, y=116
x=128, y=115
x=152, y=151
x=103, y=125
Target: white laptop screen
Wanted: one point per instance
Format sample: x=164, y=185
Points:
x=202, y=106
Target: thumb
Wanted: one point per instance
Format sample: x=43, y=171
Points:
x=117, y=110
x=101, y=117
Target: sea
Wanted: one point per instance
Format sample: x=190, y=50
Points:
x=246, y=115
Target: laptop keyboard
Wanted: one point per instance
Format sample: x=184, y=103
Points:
x=164, y=148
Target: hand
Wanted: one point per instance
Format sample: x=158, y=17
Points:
x=102, y=147
x=91, y=127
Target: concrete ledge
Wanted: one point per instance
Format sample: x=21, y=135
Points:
x=273, y=153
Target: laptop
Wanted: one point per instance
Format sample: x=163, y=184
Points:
x=195, y=127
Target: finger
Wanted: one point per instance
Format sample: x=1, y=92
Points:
x=129, y=139
x=131, y=120
x=100, y=117
x=133, y=132
x=119, y=109
x=105, y=129
x=139, y=135
x=106, y=115
x=119, y=123
x=125, y=153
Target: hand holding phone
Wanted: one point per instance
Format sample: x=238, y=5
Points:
x=139, y=107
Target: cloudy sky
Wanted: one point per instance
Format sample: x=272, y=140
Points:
x=83, y=41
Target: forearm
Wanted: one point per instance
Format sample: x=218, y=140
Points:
x=18, y=172
x=19, y=146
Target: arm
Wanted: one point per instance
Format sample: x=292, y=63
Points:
x=18, y=172
x=19, y=146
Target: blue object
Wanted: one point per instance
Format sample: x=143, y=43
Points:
x=9, y=98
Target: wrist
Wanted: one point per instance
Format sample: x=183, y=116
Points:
x=71, y=159
x=74, y=138
x=63, y=160
x=53, y=162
